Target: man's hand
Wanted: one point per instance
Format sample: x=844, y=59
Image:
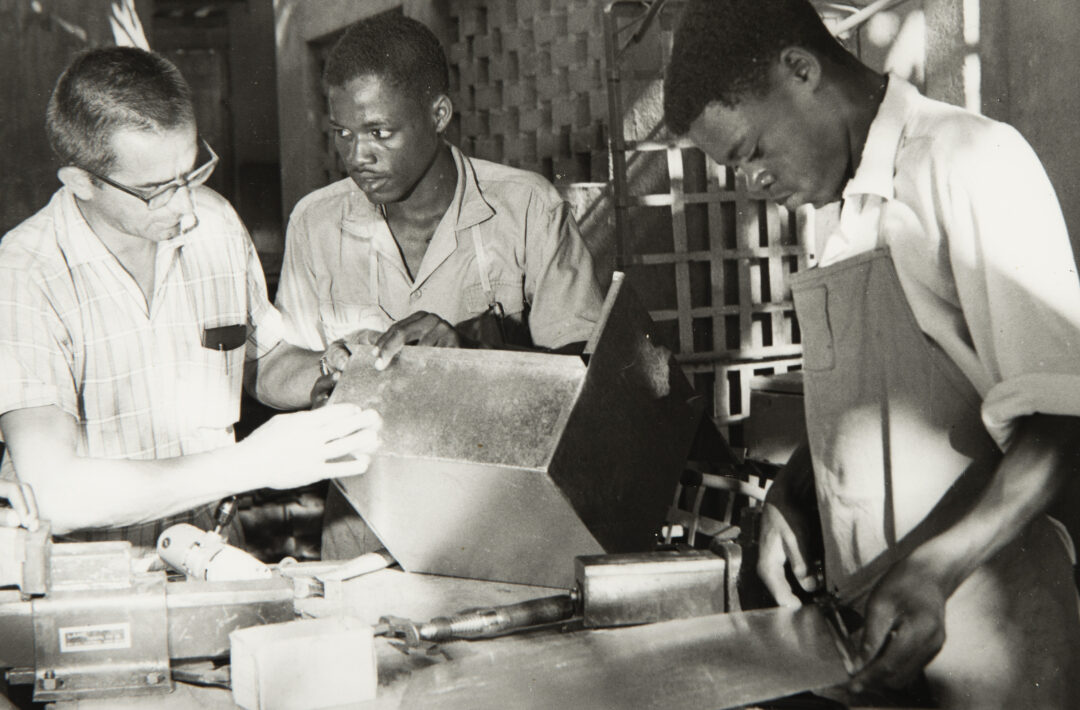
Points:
x=904, y=629
x=333, y=363
x=23, y=508
x=783, y=539
x=293, y=450
x=790, y=532
x=420, y=328
x=323, y=388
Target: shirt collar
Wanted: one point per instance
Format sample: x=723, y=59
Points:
x=467, y=208
x=874, y=176
x=472, y=208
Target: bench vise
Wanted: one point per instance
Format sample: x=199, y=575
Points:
x=80, y=622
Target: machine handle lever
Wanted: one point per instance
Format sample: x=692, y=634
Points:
x=478, y=623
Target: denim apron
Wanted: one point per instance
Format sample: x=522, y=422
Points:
x=893, y=424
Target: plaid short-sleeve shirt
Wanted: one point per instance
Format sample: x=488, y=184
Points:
x=75, y=332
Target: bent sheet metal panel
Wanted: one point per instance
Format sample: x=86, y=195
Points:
x=478, y=521
x=707, y=663
x=459, y=486
x=506, y=465
x=627, y=440
x=486, y=406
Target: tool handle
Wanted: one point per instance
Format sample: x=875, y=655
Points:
x=225, y=512
x=493, y=620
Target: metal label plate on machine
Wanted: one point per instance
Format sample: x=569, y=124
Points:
x=504, y=465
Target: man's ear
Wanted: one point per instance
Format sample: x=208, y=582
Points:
x=802, y=66
x=77, y=180
x=442, y=110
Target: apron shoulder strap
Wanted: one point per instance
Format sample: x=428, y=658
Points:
x=482, y=264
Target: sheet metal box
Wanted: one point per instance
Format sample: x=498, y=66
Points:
x=505, y=466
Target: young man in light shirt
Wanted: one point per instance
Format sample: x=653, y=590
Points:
x=420, y=243
x=132, y=307
x=940, y=334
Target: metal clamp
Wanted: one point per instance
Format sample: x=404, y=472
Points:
x=732, y=555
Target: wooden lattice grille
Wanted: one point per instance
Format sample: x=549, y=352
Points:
x=527, y=78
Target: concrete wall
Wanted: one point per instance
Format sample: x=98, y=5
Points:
x=253, y=103
x=299, y=26
x=254, y=85
x=37, y=40
x=1033, y=50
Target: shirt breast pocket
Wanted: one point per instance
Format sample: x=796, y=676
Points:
x=340, y=319
x=209, y=390
x=812, y=310
x=508, y=295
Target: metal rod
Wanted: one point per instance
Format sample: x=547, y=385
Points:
x=858, y=18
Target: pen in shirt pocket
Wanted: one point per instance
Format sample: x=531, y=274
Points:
x=224, y=339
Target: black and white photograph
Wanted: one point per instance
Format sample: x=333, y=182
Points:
x=539, y=354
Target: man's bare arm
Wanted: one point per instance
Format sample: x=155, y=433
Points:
x=76, y=492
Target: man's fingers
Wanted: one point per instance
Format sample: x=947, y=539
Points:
x=770, y=568
x=776, y=582
x=797, y=559
x=364, y=337
x=421, y=328
x=349, y=467
x=32, y=521
x=337, y=355
x=9, y=518
x=324, y=387
x=340, y=420
x=359, y=442
x=885, y=660
x=388, y=346
x=19, y=510
x=440, y=335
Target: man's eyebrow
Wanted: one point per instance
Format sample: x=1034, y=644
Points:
x=155, y=185
x=373, y=122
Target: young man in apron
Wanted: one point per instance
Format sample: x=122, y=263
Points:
x=941, y=333
x=422, y=244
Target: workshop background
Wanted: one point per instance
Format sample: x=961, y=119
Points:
x=570, y=89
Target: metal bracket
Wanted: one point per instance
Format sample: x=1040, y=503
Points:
x=732, y=554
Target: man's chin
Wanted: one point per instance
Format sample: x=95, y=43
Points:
x=180, y=228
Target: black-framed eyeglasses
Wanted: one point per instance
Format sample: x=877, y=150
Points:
x=161, y=195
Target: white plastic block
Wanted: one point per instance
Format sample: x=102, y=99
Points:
x=312, y=663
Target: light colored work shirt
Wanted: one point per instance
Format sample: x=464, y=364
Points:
x=980, y=248
x=507, y=236
x=75, y=332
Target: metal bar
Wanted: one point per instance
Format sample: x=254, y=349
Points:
x=863, y=15
x=616, y=134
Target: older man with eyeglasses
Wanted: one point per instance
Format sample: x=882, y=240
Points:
x=132, y=310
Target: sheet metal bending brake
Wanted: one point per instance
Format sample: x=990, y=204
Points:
x=81, y=620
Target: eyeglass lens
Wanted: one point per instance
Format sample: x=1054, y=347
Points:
x=196, y=178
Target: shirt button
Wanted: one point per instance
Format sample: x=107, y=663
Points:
x=416, y=294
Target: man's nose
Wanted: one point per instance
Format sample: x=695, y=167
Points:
x=182, y=202
x=360, y=154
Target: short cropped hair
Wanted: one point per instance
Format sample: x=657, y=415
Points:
x=724, y=50
x=399, y=50
x=109, y=89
